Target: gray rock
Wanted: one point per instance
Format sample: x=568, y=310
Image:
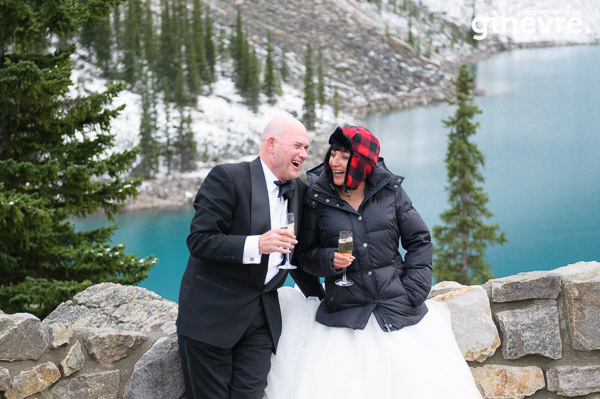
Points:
x=22, y=337
x=574, y=381
x=580, y=271
x=400, y=47
x=102, y=385
x=158, y=373
x=73, y=361
x=582, y=300
x=472, y=323
x=531, y=285
x=4, y=379
x=107, y=345
x=115, y=306
x=32, y=381
x=60, y=334
x=534, y=330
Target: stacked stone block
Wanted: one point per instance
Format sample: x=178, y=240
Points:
x=110, y=342
x=548, y=324
x=534, y=335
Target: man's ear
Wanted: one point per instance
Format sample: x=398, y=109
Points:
x=271, y=145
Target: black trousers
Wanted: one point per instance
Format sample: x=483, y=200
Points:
x=239, y=372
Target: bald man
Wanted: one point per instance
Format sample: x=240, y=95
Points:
x=229, y=319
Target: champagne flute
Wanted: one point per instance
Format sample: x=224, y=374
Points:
x=345, y=242
x=289, y=225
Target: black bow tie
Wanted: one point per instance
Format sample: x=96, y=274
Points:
x=286, y=189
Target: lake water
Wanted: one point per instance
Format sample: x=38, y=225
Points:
x=539, y=131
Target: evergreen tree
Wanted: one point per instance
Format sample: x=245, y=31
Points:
x=336, y=102
x=103, y=46
x=284, y=69
x=56, y=162
x=209, y=47
x=198, y=41
x=191, y=60
x=253, y=85
x=168, y=150
x=238, y=50
x=148, y=36
x=309, y=114
x=167, y=50
x=410, y=40
x=186, y=143
x=179, y=94
x=269, y=83
x=96, y=37
x=132, y=48
x=462, y=240
x=118, y=26
x=149, y=146
x=320, y=79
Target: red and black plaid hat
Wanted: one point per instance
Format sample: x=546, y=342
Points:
x=364, y=152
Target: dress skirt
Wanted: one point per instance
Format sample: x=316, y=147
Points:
x=314, y=361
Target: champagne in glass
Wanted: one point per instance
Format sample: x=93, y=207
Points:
x=345, y=242
x=288, y=224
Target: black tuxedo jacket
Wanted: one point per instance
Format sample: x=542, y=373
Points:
x=219, y=294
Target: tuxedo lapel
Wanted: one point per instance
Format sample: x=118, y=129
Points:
x=260, y=215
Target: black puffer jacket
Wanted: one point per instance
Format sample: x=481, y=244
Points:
x=392, y=288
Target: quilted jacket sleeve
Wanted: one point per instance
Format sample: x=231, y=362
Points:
x=416, y=240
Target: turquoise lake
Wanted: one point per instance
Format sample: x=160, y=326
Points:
x=539, y=131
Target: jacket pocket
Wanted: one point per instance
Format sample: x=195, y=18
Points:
x=210, y=282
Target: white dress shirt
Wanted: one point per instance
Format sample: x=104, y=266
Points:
x=278, y=210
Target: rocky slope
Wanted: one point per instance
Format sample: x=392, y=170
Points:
x=365, y=56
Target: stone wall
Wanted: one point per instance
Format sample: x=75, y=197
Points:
x=534, y=335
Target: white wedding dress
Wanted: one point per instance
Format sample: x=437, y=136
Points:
x=417, y=362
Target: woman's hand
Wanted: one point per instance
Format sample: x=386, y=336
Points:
x=340, y=261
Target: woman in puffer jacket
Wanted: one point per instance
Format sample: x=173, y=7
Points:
x=377, y=337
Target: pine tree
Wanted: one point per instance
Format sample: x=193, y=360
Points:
x=186, y=143
x=463, y=239
x=167, y=50
x=336, y=102
x=192, y=71
x=167, y=148
x=237, y=49
x=253, y=88
x=96, y=36
x=149, y=146
x=284, y=69
x=309, y=114
x=209, y=47
x=132, y=48
x=197, y=32
x=56, y=162
x=103, y=46
x=148, y=36
x=179, y=94
x=269, y=83
x=320, y=79
x=118, y=25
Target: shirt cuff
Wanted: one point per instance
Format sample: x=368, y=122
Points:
x=251, y=253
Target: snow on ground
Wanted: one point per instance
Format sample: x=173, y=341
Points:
x=225, y=129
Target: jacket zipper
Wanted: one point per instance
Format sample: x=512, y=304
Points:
x=385, y=323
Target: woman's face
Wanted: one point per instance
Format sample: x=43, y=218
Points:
x=338, y=161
